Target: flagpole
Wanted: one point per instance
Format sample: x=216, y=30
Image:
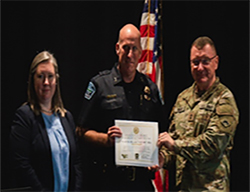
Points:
x=164, y=172
x=161, y=39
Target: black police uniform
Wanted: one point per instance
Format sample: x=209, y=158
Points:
x=108, y=98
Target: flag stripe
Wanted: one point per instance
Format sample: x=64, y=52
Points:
x=144, y=31
x=147, y=43
x=149, y=60
x=148, y=19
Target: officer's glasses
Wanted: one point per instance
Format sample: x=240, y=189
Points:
x=204, y=61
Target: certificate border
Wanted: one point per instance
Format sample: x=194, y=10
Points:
x=133, y=162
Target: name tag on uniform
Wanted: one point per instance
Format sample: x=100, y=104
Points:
x=111, y=96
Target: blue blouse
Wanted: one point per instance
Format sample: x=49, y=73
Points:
x=60, y=151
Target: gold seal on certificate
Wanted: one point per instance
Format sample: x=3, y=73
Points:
x=136, y=130
x=138, y=144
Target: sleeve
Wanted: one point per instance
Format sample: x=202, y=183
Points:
x=87, y=113
x=169, y=157
x=77, y=164
x=162, y=114
x=217, y=137
x=20, y=152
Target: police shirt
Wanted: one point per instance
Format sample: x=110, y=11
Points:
x=108, y=98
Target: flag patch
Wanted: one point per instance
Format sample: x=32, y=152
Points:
x=90, y=91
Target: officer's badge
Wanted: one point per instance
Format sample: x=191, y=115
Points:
x=90, y=91
x=147, y=90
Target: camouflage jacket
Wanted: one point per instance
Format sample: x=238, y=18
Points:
x=203, y=129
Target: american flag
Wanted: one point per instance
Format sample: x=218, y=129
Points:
x=151, y=64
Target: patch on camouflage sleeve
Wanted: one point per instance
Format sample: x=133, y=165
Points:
x=90, y=91
x=227, y=124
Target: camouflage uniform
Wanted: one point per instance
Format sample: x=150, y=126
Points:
x=203, y=128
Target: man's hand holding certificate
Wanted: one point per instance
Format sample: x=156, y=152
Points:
x=138, y=144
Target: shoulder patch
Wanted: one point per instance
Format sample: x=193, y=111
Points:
x=227, y=124
x=224, y=110
x=90, y=91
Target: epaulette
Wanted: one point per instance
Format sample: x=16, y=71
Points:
x=144, y=78
x=105, y=72
x=101, y=73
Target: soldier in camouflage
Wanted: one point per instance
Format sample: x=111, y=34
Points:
x=203, y=124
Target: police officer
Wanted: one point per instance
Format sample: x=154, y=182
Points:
x=203, y=124
x=119, y=93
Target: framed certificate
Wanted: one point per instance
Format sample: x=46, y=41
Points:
x=138, y=144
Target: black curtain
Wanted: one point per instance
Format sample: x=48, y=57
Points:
x=82, y=36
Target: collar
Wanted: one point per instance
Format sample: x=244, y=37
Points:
x=117, y=77
x=192, y=99
x=207, y=92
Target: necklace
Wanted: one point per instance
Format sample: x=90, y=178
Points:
x=48, y=111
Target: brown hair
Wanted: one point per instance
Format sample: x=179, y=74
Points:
x=57, y=104
x=200, y=42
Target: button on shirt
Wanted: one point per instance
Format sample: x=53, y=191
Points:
x=60, y=151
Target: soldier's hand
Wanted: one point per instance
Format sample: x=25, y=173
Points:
x=165, y=139
x=161, y=163
x=113, y=132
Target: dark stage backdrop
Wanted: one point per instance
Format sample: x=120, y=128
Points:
x=82, y=36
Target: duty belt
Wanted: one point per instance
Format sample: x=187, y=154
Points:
x=133, y=173
x=127, y=172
